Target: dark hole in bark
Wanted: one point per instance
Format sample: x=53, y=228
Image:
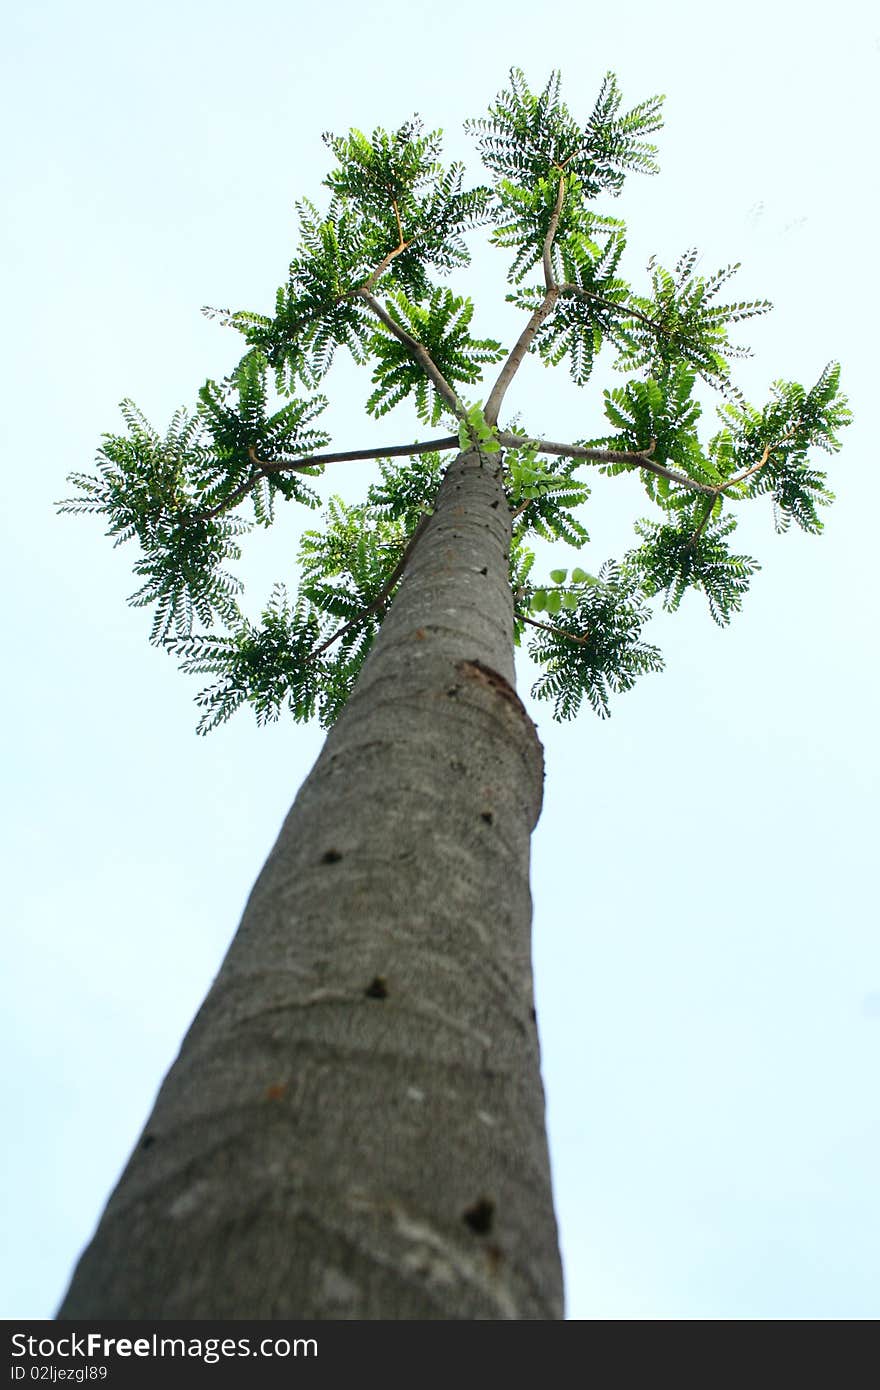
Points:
x=331, y=857
x=486, y=816
x=495, y=504
x=480, y=1216
x=484, y=570
x=533, y=1016
x=453, y=690
x=147, y=1141
x=377, y=988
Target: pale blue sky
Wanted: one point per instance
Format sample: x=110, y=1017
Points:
x=706, y=935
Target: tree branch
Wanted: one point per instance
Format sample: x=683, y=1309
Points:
x=385, y=262
x=526, y=338
x=383, y=593
x=429, y=446
x=549, y=278
x=639, y=459
x=418, y=351
x=266, y=466
x=517, y=353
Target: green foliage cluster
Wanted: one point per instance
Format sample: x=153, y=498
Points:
x=442, y=328
x=600, y=650
x=306, y=656
x=525, y=137
x=362, y=278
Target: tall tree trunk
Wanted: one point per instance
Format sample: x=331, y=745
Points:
x=354, y=1127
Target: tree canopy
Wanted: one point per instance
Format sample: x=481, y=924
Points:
x=366, y=277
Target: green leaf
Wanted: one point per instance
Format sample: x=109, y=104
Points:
x=558, y=576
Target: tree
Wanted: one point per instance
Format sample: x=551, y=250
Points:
x=354, y=1126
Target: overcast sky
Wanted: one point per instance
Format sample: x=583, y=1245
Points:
x=706, y=929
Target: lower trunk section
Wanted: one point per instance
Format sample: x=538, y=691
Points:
x=354, y=1127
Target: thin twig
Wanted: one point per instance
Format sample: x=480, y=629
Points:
x=702, y=526
x=402, y=245
x=400, y=240
x=231, y=501
x=627, y=310
x=740, y=478
x=747, y=473
x=556, y=631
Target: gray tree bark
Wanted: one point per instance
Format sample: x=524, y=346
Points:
x=354, y=1127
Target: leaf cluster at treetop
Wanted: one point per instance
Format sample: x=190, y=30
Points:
x=361, y=279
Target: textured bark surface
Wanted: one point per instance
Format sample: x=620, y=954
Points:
x=354, y=1127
